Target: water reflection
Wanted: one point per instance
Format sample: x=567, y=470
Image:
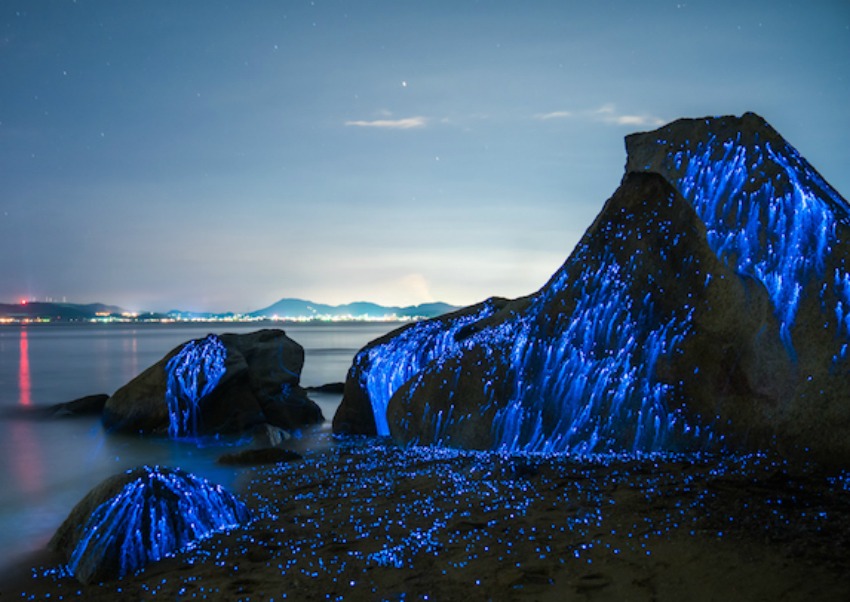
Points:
x=24, y=384
x=47, y=466
x=26, y=462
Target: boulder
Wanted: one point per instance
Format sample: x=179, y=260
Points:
x=90, y=405
x=227, y=383
x=707, y=307
x=141, y=516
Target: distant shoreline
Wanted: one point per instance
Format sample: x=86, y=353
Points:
x=285, y=310
x=258, y=321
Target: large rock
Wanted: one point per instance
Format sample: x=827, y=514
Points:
x=142, y=516
x=221, y=384
x=707, y=307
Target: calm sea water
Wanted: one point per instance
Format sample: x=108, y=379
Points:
x=47, y=466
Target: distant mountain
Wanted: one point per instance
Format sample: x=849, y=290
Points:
x=56, y=311
x=293, y=309
x=301, y=309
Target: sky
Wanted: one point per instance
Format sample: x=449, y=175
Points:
x=218, y=155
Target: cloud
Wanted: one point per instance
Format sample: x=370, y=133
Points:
x=392, y=124
x=606, y=113
x=553, y=115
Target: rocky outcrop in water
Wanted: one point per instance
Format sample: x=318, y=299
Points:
x=139, y=517
x=227, y=383
x=707, y=307
x=90, y=405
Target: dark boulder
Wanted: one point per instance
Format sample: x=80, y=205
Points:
x=707, y=307
x=328, y=388
x=90, y=405
x=227, y=383
x=141, y=516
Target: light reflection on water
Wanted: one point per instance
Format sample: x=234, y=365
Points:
x=24, y=384
x=47, y=466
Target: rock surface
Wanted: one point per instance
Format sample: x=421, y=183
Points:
x=453, y=525
x=221, y=384
x=142, y=516
x=90, y=405
x=707, y=307
x=256, y=457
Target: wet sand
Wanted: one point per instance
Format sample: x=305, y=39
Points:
x=360, y=520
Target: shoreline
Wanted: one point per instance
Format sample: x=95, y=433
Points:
x=361, y=519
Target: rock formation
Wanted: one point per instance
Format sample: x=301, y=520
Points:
x=707, y=307
x=220, y=384
x=90, y=405
x=142, y=516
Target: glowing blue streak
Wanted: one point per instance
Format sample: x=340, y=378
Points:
x=767, y=213
x=154, y=516
x=583, y=381
x=594, y=375
x=185, y=386
x=396, y=361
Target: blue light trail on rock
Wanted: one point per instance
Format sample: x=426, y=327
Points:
x=395, y=362
x=595, y=373
x=192, y=375
x=767, y=212
x=602, y=358
x=155, y=515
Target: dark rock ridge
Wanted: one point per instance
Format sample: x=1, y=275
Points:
x=707, y=307
x=142, y=516
x=90, y=405
x=227, y=383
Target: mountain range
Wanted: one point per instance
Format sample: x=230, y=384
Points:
x=299, y=309
x=285, y=309
x=35, y=310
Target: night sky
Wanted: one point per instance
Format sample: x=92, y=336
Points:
x=221, y=155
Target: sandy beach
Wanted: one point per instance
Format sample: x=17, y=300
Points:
x=364, y=520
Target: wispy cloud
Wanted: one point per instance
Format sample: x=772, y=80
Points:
x=553, y=115
x=606, y=113
x=393, y=124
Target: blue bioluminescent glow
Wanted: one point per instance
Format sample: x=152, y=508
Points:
x=574, y=369
x=588, y=385
x=155, y=515
x=365, y=520
x=393, y=363
x=767, y=212
x=191, y=375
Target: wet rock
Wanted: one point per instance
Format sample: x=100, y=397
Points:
x=707, y=307
x=255, y=457
x=266, y=435
x=225, y=383
x=328, y=388
x=90, y=405
x=139, y=517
